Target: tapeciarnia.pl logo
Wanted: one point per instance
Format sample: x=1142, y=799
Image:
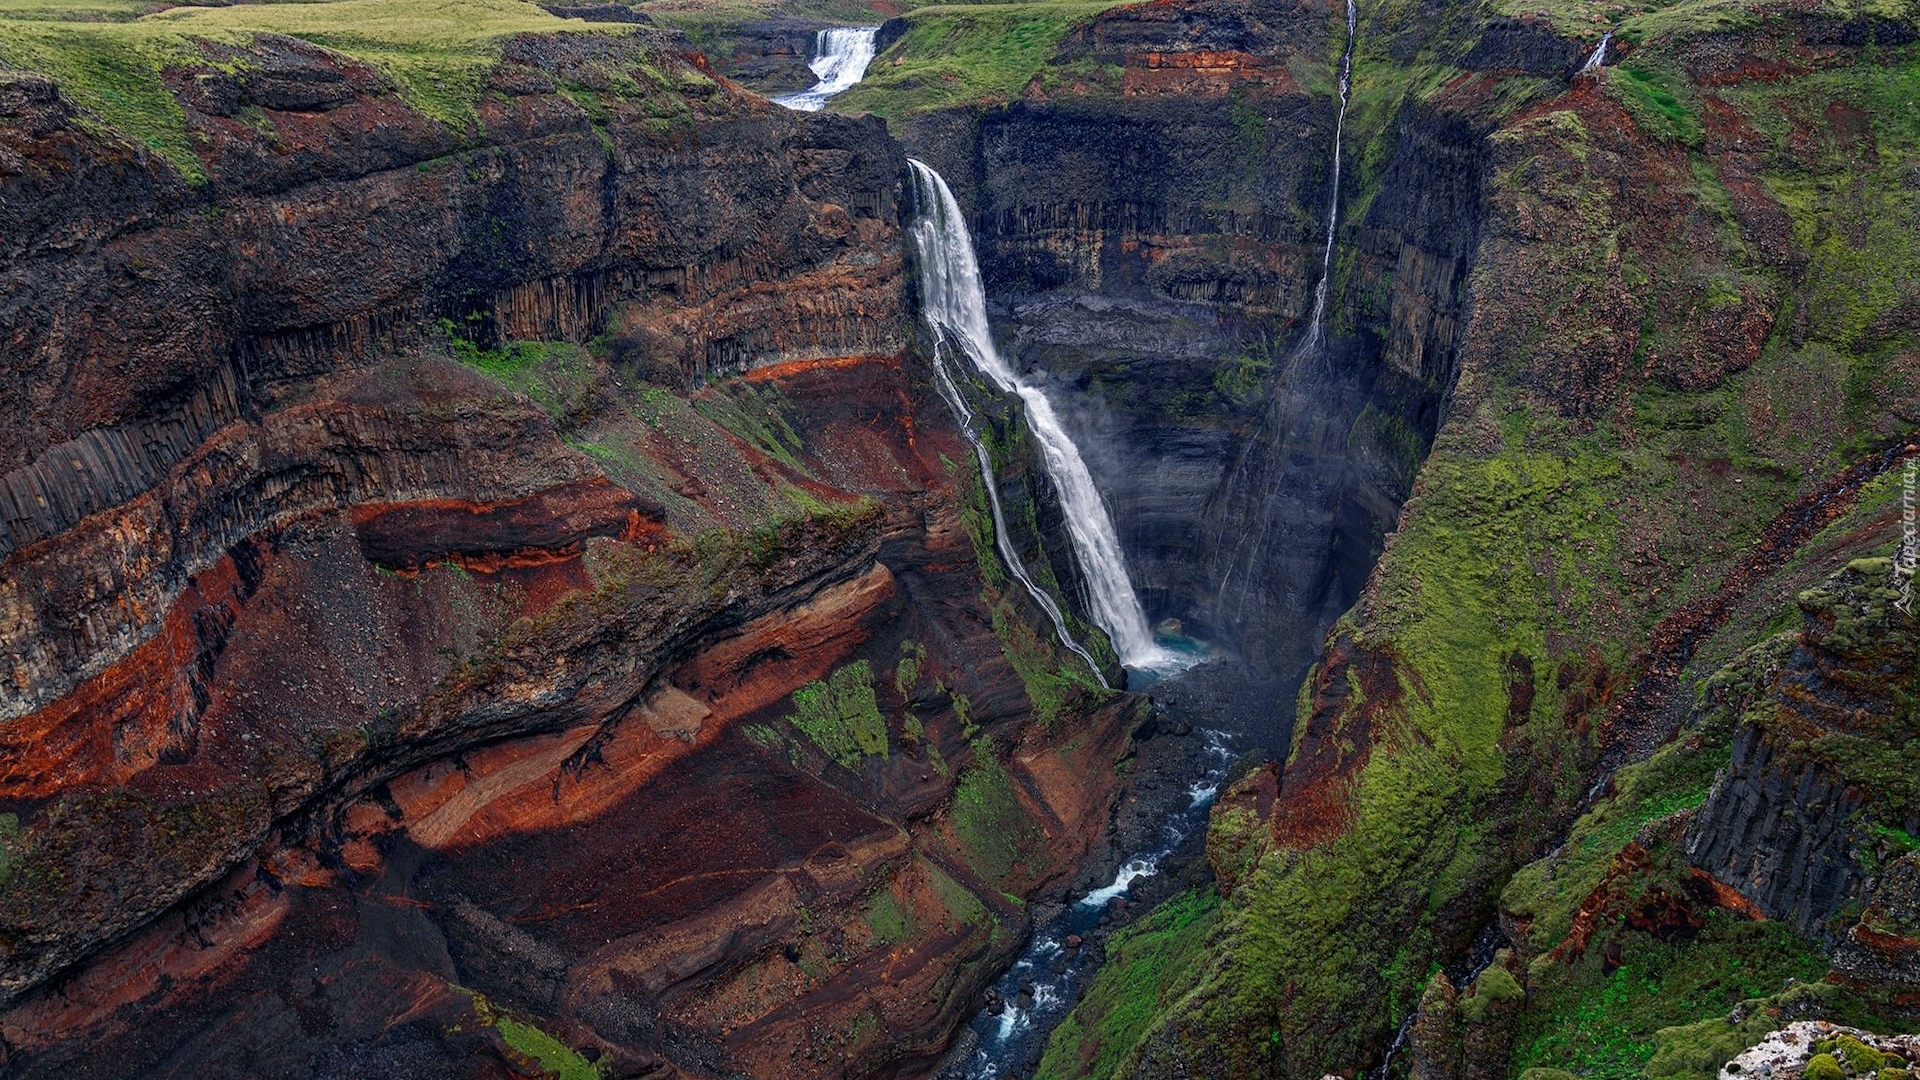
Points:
x=1909, y=554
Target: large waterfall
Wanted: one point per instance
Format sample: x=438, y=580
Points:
x=955, y=307
x=842, y=54
x=1316, y=328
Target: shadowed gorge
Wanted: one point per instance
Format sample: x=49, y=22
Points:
x=1185, y=538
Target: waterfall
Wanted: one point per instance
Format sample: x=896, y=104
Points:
x=956, y=309
x=1315, y=330
x=958, y=403
x=1316, y=327
x=842, y=54
x=1599, y=55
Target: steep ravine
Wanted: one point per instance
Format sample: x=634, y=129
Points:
x=512, y=600
x=1154, y=256
x=486, y=602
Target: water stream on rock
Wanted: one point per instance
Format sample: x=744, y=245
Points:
x=1316, y=323
x=1315, y=329
x=1043, y=985
x=1599, y=55
x=955, y=305
x=842, y=56
x=958, y=403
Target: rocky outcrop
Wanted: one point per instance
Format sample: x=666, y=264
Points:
x=538, y=233
x=1779, y=835
x=1797, y=820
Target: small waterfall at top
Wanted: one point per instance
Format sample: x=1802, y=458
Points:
x=842, y=54
x=1316, y=328
x=1599, y=55
x=956, y=309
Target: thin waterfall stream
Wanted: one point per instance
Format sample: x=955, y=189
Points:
x=1316, y=322
x=1599, y=54
x=958, y=403
x=1316, y=326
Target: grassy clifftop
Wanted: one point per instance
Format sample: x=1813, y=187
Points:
x=125, y=64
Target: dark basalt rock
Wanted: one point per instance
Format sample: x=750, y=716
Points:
x=610, y=13
x=1524, y=45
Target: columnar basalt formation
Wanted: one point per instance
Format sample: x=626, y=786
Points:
x=516, y=584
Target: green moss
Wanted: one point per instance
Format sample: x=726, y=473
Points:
x=1824, y=1067
x=1652, y=97
x=961, y=54
x=1496, y=984
x=906, y=674
x=1144, y=964
x=555, y=1057
x=437, y=52
x=1054, y=679
x=1547, y=893
x=841, y=715
x=966, y=908
x=1858, y=1056
x=1616, y=1025
x=988, y=821
x=1696, y=1051
x=556, y=375
x=1242, y=379
x=888, y=920
x=756, y=413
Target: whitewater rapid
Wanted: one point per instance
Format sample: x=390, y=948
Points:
x=841, y=56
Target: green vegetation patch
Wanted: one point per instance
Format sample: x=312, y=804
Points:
x=955, y=55
x=1601, y=1025
x=889, y=921
x=437, y=52
x=987, y=818
x=1654, y=99
x=841, y=715
x=556, y=1057
x=555, y=374
x=1145, y=962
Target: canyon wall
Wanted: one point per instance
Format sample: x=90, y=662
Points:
x=497, y=599
x=1666, y=401
x=1150, y=222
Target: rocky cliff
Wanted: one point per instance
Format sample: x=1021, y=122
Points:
x=1618, y=303
x=487, y=585
x=1150, y=213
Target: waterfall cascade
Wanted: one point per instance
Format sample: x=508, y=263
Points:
x=958, y=403
x=955, y=307
x=842, y=54
x=1316, y=328
x=1599, y=54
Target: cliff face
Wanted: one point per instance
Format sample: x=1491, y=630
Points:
x=1671, y=385
x=476, y=596
x=1150, y=215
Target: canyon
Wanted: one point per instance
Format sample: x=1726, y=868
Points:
x=510, y=567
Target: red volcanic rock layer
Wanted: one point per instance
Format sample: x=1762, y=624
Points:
x=356, y=699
